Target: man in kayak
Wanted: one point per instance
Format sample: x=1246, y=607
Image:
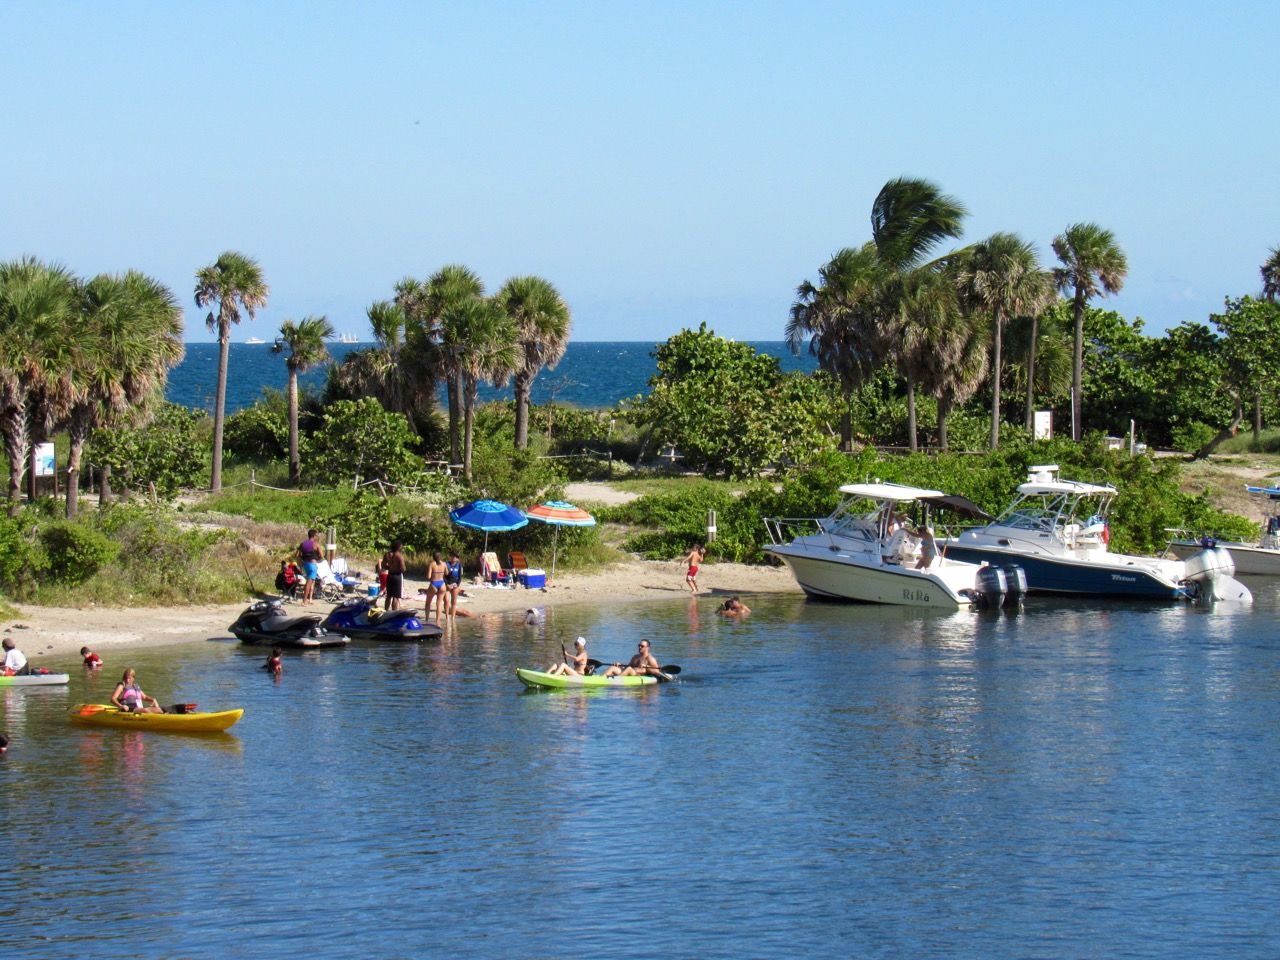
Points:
x=642, y=664
x=15, y=661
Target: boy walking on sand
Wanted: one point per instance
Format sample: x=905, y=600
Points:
x=692, y=559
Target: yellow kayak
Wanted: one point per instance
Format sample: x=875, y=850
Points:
x=104, y=715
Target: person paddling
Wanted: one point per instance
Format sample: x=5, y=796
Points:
x=578, y=666
x=642, y=664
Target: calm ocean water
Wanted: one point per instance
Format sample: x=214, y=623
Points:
x=1081, y=779
x=589, y=375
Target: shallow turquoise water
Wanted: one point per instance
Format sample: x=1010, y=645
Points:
x=1077, y=780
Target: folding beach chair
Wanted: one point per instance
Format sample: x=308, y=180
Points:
x=516, y=562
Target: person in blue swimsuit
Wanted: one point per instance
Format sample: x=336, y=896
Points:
x=437, y=570
x=452, y=583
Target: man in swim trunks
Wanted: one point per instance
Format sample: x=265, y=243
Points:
x=394, y=563
x=692, y=559
x=309, y=554
x=642, y=664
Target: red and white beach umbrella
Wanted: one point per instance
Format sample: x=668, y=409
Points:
x=559, y=514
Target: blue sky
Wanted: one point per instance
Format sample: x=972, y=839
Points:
x=661, y=163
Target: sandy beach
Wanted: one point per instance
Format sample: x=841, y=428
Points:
x=52, y=636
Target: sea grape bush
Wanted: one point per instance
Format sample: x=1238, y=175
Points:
x=168, y=453
x=358, y=440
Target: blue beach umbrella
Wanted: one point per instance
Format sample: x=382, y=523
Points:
x=560, y=514
x=489, y=515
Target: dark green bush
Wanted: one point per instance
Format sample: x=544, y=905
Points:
x=74, y=552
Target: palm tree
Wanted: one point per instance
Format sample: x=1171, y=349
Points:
x=486, y=350
x=1271, y=276
x=1039, y=352
x=1092, y=264
x=909, y=218
x=542, y=333
x=396, y=374
x=840, y=317
x=39, y=343
x=233, y=281
x=305, y=343
x=1001, y=276
x=134, y=335
x=431, y=341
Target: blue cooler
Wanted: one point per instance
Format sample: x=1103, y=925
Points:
x=533, y=579
x=373, y=590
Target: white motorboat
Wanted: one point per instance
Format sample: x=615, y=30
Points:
x=254, y=340
x=1261, y=559
x=866, y=555
x=1056, y=530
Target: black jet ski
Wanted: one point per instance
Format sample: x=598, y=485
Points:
x=266, y=622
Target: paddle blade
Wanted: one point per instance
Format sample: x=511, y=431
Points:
x=671, y=668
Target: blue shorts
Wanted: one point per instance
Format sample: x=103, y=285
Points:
x=311, y=569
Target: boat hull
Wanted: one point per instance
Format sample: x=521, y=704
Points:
x=1252, y=561
x=102, y=715
x=1047, y=574
x=36, y=680
x=539, y=680
x=834, y=579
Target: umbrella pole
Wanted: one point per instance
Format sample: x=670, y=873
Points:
x=555, y=546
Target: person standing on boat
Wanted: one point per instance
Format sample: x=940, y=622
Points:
x=928, y=547
x=128, y=696
x=309, y=554
x=394, y=563
x=15, y=661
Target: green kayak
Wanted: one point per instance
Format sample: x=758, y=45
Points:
x=545, y=681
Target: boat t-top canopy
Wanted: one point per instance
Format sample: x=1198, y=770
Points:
x=892, y=492
x=1044, y=480
x=961, y=505
x=1272, y=492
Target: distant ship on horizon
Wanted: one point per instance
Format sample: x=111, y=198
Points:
x=255, y=340
x=348, y=338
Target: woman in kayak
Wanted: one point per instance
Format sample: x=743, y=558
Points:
x=128, y=696
x=642, y=664
x=578, y=668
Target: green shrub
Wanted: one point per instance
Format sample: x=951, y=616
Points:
x=18, y=557
x=1192, y=436
x=259, y=432
x=74, y=552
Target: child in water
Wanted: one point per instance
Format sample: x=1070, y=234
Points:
x=91, y=660
x=274, y=665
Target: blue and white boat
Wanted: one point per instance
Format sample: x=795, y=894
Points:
x=1056, y=530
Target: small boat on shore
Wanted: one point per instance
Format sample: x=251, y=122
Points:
x=1261, y=559
x=1056, y=530
x=871, y=557
x=105, y=715
x=541, y=680
x=36, y=680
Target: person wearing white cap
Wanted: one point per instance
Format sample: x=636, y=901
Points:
x=577, y=667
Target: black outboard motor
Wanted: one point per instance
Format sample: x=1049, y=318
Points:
x=1016, y=581
x=992, y=587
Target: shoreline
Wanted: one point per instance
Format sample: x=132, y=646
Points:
x=52, y=636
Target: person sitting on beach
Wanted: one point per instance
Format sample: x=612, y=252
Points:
x=643, y=663
x=578, y=667
x=91, y=660
x=128, y=696
x=274, y=665
x=734, y=607
x=15, y=661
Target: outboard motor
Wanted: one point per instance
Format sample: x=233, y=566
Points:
x=1016, y=583
x=992, y=586
x=1208, y=576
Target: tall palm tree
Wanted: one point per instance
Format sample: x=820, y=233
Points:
x=1271, y=276
x=1092, y=264
x=840, y=316
x=305, y=342
x=909, y=218
x=39, y=342
x=134, y=336
x=392, y=371
x=1001, y=276
x=425, y=305
x=233, y=282
x=1039, y=352
x=542, y=324
x=486, y=340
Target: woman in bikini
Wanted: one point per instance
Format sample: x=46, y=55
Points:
x=437, y=571
x=578, y=666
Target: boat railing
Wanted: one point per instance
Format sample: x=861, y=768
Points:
x=783, y=530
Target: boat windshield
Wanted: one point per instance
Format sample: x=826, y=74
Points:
x=1050, y=511
x=847, y=522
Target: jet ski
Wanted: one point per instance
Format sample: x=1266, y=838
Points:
x=361, y=620
x=267, y=623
